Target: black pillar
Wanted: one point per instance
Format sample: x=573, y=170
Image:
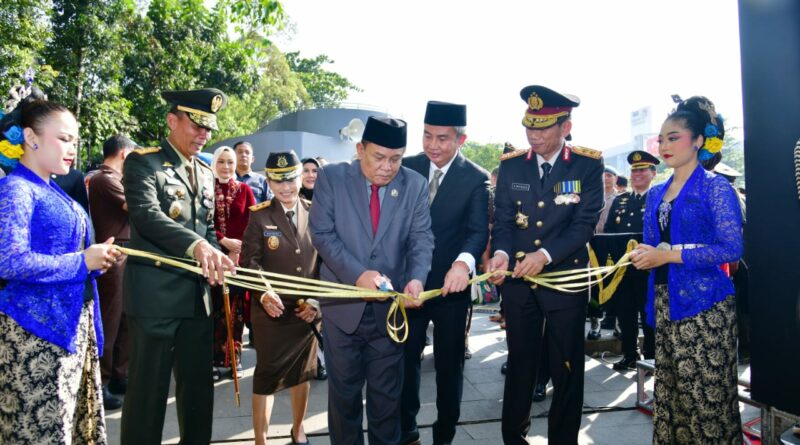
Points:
x=770, y=41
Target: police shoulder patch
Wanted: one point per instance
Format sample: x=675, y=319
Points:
x=147, y=150
x=513, y=154
x=261, y=206
x=588, y=152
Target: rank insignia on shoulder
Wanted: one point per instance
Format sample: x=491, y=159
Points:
x=588, y=152
x=167, y=164
x=513, y=154
x=261, y=206
x=202, y=163
x=147, y=150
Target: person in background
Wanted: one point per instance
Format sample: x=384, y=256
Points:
x=622, y=184
x=110, y=218
x=309, y=177
x=232, y=199
x=627, y=216
x=50, y=329
x=73, y=185
x=244, y=172
x=277, y=240
x=594, y=310
x=692, y=225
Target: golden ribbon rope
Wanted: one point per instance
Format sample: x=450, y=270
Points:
x=569, y=281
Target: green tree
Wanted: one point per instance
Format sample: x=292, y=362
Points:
x=327, y=89
x=279, y=91
x=84, y=50
x=24, y=27
x=485, y=155
x=181, y=44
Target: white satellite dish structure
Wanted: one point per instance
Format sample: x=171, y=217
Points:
x=353, y=130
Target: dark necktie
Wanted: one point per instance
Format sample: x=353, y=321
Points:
x=190, y=174
x=375, y=207
x=545, y=172
x=433, y=187
x=290, y=215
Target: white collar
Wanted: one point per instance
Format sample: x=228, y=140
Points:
x=294, y=209
x=540, y=160
x=443, y=169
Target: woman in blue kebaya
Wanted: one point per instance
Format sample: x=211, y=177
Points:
x=50, y=332
x=692, y=225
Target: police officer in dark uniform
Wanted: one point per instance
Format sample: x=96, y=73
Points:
x=627, y=216
x=547, y=204
x=170, y=196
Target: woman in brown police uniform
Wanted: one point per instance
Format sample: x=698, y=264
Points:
x=277, y=240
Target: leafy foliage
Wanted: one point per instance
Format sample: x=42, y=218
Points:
x=485, y=155
x=109, y=60
x=326, y=89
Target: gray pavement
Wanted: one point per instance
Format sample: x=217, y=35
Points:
x=609, y=416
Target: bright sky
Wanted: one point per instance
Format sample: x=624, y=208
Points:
x=616, y=55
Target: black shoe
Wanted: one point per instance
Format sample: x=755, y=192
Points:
x=540, y=392
x=467, y=354
x=626, y=364
x=593, y=335
x=109, y=401
x=410, y=438
x=294, y=442
x=118, y=386
x=617, y=334
x=504, y=368
x=322, y=373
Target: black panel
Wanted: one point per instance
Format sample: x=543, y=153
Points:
x=770, y=41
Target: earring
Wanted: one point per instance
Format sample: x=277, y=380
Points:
x=35, y=146
x=696, y=148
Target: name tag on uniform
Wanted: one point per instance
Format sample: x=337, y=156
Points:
x=520, y=187
x=268, y=233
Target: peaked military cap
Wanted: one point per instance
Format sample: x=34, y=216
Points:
x=385, y=131
x=545, y=106
x=642, y=159
x=283, y=166
x=200, y=105
x=445, y=114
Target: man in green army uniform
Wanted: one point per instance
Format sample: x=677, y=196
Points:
x=170, y=196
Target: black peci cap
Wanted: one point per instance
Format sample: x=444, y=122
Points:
x=445, y=114
x=385, y=131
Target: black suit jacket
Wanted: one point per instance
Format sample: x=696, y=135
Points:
x=562, y=229
x=459, y=214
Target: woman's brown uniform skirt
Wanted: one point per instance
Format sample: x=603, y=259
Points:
x=696, y=392
x=47, y=395
x=286, y=349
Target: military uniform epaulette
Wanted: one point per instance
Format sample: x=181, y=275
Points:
x=261, y=206
x=147, y=150
x=510, y=152
x=588, y=152
x=202, y=162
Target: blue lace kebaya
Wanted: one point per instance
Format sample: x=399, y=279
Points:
x=42, y=234
x=707, y=212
